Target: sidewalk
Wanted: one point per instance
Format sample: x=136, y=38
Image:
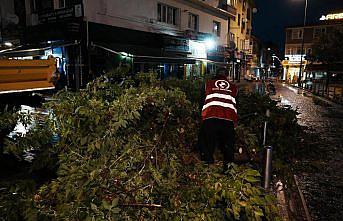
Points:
x=335, y=106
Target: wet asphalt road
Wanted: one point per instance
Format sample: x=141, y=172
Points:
x=322, y=187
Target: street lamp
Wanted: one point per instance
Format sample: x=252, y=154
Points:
x=274, y=56
x=302, y=45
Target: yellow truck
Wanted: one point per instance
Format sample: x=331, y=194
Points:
x=27, y=75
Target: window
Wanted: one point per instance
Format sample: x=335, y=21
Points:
x=231, y=2
x=33, y=6
x=248, y=13
x=193, y=22
x=239, y=20
x=309, y=51
x=289, y=51
x=41, y=5
x=61, y=4
x=216, y=28
x=248, y=31
x=232, y=36
x=297, y=34
x=299, y=50
x=317, y=32
x=167, y=14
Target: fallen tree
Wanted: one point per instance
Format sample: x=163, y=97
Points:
x=128, y=152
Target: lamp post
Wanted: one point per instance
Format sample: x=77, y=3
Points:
x=302, y=45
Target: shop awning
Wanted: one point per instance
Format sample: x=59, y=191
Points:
x=160, y=59
x=34, y=49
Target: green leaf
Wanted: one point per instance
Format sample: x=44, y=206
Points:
x=251, y=172
x=84, y=141
x=94, y=207
x=115, y=202
x=98, y=144
x=236, y=211
x=251, y=179
x=217, y=186
x=116, y=210
x=106, y=205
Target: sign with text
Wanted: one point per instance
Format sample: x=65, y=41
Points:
x=336, y=16
x=60, y=14
x=175, y=44
x=295, y=58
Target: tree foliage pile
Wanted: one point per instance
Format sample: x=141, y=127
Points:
x=127, y=152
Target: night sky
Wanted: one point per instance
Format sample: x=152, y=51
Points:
x=274, y=15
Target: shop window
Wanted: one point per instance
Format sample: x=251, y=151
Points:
x=297, y=34
x=216, y=28
x=193, y=22
x=167, y=14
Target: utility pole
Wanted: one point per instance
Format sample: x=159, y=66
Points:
x=302, y=46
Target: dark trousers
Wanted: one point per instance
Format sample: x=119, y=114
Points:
x=217, y=133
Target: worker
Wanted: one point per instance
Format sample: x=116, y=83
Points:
x=219, y=118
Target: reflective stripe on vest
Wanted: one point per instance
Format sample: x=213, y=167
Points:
x=223, y=96
x=221, y=104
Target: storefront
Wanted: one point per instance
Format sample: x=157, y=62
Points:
x=291, y=67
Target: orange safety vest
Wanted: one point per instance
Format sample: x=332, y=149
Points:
x=220, y=100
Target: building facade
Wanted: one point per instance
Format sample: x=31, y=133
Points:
x=240, y=35
x=12, y=22
x=314, y=76
x=179, y=38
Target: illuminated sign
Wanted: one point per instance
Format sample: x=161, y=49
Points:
x=332, y=17
x=198, y=49
x=295, y=59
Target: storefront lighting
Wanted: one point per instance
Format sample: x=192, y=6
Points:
x=198, y=49
x=210, y=44
x=124, y=54
x=8, y=44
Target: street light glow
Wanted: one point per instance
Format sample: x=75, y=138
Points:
x=8, y=44
x=210, y=44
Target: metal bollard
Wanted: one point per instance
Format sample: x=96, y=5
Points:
x=265, y=127
x=268, y=167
